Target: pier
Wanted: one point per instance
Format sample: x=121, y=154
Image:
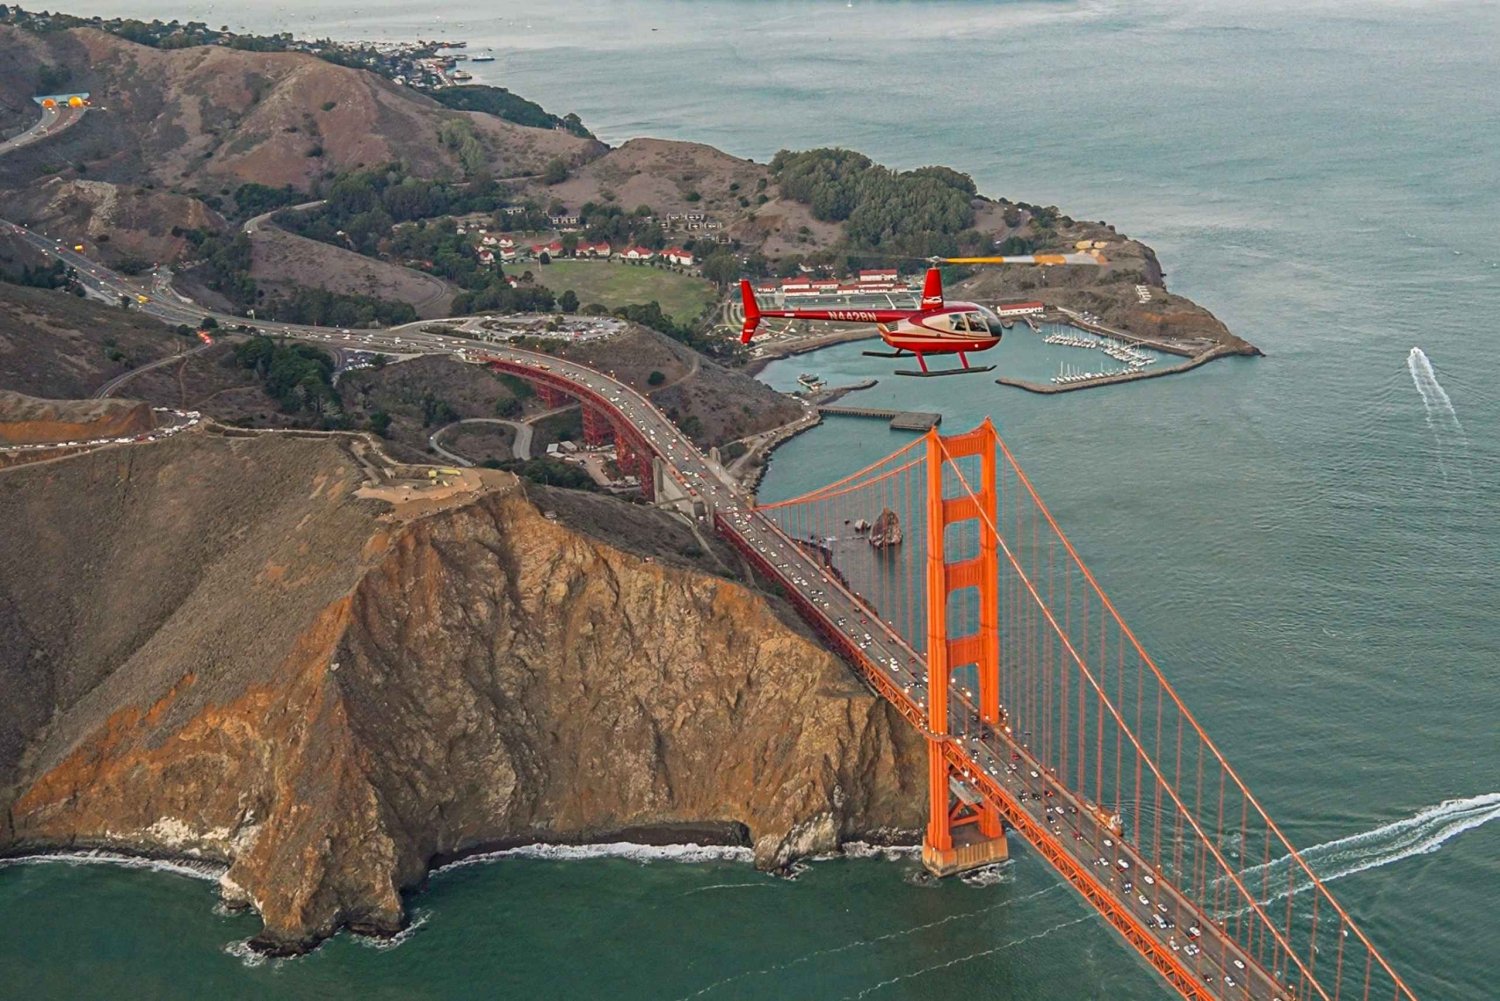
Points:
x=901, y=420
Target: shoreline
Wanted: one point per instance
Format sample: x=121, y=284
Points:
x=684, y=843
x=758, y=365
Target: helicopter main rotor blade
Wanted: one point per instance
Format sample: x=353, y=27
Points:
x=1074, y=258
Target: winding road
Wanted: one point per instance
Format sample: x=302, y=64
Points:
x=520, y=448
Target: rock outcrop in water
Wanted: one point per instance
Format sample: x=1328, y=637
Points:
x=226, y=648
x=886, y=531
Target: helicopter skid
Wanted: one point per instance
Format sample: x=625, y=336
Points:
x=886, y=354
x=947, y=371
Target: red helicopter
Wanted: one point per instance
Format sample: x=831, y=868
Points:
x=935, y=327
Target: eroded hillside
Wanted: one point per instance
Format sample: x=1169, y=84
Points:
x=225, y=647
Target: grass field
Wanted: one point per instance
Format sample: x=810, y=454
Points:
x=613, y=284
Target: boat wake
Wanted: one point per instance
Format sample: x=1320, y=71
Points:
x=1449, y=439
x=1420, y=834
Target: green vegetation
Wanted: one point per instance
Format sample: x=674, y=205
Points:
x=298, y=376
x=458, y=135
x=615, y=284
x=656, y=378
x=253, y=199
x=54, y=275
x=649, y=314
x=226, y=264
x=323, y=308
x=556, y=172
x=549, y=472
x=52, y=79
x=502, y=103
x=915, y=212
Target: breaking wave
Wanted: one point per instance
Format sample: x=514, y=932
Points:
x=205, y=870
x=617, y=849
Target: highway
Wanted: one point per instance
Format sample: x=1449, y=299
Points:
x=53, y=121
x=1091, y=855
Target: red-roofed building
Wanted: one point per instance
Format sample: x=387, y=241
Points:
x=676, y=255
x=1019, y=308
x=553, y=249
x=592, y=250
x=638, y=254
x=485, y=257
x=878, y=276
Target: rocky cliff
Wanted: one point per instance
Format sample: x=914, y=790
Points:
x=232, y=648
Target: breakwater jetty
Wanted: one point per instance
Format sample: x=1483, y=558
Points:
x=901, y=420
x=1128, y=375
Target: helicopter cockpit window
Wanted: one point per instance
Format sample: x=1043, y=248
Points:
x=976, y=323
x=957, y=322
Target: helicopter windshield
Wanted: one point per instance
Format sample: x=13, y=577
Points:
x=978, y=321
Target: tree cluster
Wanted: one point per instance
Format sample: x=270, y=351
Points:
x=916, y=212
x=502, y=103
x=322, y=308
x=297, y=376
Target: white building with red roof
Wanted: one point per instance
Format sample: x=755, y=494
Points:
x=676, y=255
x=638, y=254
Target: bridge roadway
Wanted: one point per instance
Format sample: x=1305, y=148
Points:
x=1195, y=955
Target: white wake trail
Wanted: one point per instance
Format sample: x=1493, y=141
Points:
x=1447, y=432
x=1420, y=834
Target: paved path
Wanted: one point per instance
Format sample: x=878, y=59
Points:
x=520, y=448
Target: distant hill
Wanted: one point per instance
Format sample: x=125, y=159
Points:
x=176, y=131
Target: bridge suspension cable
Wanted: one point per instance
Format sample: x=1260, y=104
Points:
x=1190, y=858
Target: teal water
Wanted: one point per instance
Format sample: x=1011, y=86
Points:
x=1307, y=542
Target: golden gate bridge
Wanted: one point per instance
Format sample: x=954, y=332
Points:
x=1043, y=713
x=939, y=574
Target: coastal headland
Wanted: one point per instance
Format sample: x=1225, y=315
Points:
x=304, y=659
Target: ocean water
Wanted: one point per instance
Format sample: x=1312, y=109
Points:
x=1307, y=543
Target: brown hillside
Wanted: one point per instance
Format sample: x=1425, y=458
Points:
x=727, y=403
x=282, y=260
x=27, y=419
x=231, y=654
x=660, y=173
x=54, y=345
x=117, y=222
x=206, y=116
